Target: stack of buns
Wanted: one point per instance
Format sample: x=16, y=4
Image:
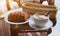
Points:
x=33, y=8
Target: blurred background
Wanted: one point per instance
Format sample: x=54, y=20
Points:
x=6, y=5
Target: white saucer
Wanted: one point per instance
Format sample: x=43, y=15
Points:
x=6, y=17
x=47, y=26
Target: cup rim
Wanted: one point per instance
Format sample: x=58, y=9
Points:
x=42, y=19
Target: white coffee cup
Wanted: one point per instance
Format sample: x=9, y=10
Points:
x=40, y=20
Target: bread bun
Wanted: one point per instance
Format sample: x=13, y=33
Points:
x=18, y=17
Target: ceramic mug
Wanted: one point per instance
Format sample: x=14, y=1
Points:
x=40, y=21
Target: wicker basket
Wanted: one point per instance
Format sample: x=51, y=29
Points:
x=32, y=8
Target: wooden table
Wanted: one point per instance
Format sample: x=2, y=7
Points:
x=15, y=29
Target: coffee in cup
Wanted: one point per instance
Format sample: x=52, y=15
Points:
x=40, y=19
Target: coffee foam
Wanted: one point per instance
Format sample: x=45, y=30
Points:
x=40, y=17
